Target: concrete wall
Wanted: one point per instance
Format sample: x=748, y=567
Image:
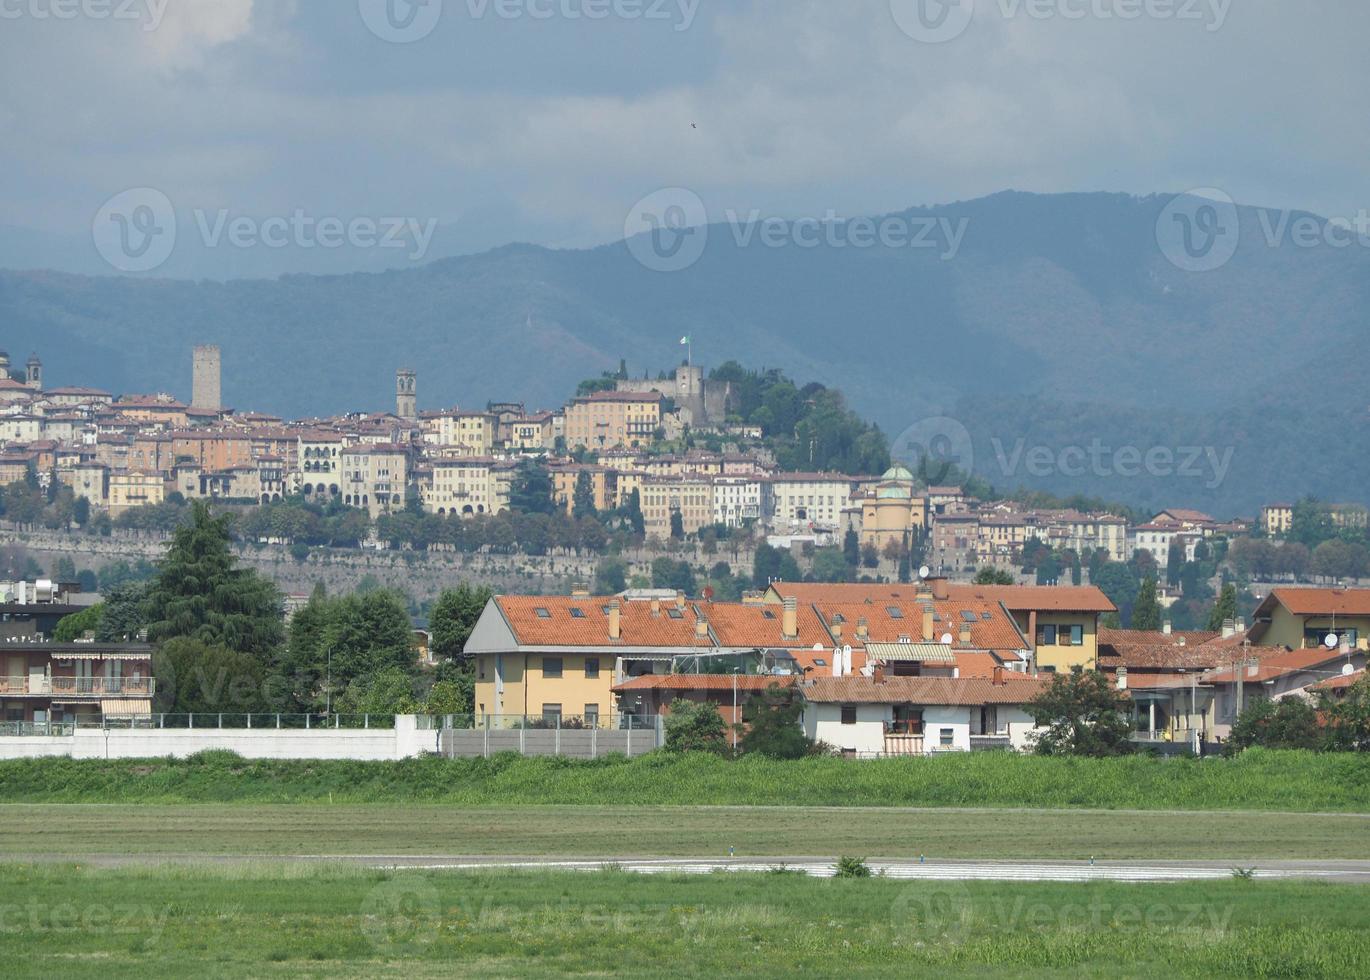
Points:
x=404, y=741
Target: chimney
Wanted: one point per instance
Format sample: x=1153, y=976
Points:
x=1165, y=628
x=863, y=628
x=879, y=673
x=1229, y=628
x=580, y=592
x=927, y=625
x=1241, y=624
x=965, y=634
x=1122, y=678
x=837, y=632
x=680, y=601
x=939, y=586
x=615, y=621
x=1252, y=666
x=999, y=679
x=701, y=628
x=656, y=607
x=789, y=623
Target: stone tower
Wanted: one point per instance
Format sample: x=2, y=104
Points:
x=406, y=394
x=33, y=373
x=205, y=392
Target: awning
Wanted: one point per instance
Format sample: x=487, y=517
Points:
x=111, y=655
x=927, y=653
x=109, y=707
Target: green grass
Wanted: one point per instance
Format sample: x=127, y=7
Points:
x=1257, y=780
x=610, y=831
x=266, y=920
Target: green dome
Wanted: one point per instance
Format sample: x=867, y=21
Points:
x=900, y=474
x=893, y=493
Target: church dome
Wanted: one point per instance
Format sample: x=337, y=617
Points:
x=900, y=474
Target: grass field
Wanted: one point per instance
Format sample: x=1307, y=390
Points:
x=271, y=830
x=264, y=920
x=1257, y=780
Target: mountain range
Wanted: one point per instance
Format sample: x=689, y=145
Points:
x=1065, y=342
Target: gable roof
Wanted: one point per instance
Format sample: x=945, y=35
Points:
x=1279, y=664
x=1318, y=602
x=562, y=627
x=740, y=625
x=1040, y=598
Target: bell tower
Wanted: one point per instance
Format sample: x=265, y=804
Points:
x=33, y=373
x=406, y=394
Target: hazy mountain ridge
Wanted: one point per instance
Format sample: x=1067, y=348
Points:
x=1057, y=321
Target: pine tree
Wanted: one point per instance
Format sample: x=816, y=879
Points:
x=1224, y=609
x=1146, y=613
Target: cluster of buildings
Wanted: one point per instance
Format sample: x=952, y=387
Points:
x=899, y=670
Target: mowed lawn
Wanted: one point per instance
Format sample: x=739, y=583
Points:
x=309, y=920
x=42, y=831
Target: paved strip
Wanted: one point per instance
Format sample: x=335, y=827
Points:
x=935, y=871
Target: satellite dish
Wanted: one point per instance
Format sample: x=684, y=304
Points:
x=1347, y=670
x=1331, y=641
x=946, y=639
x=924, y=572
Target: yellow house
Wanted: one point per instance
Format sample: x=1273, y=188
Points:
x=129, y=490
x=1304, y=618
x=613, y=418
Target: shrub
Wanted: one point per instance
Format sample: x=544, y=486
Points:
x=695, y=727
x=853, y=867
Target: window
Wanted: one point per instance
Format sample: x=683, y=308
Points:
x=551, y=666
x=895, y=612
x=577, y=612
x=675, y=613
x=551, y=714
x=1046, y=636
x=592, y=716
x=592, y=667
x=849, y=714
x=947, y=738
x=819, y=662
x=967, y=615
x=542, y=612
x=1077, y=636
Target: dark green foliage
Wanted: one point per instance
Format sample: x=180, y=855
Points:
x=1348, y=719
x=531, y=492
x=334, y=642
x=771, y=726
x=830, y=565
x=1289, y=723
x=1083, y=715
x=1146, y=612
x=453, y=617
x=1224, y=609
x=668, y=573
x=199, y=593
x=853, y=867
x=583, y=503
x=694, y=726
x=611, y=576
x=195, y=677
x=774, y=564
x=993, y=576
x=73, y=627
x=122, y=616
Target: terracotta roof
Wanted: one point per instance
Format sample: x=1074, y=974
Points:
x=740, y=625
x=887, y=621
x=560, y=627
x=1280, y=664
x=1155, y=650
x=1340, y=683
x=702, y=682
x=963, y=691
x=1321, y=602
x=1046, y=598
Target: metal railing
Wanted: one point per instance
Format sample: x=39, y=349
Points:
x=611, y=721
x=241, y=720
x=13, y=729
x=79, y=686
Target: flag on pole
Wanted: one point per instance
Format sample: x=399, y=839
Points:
x=684, y=341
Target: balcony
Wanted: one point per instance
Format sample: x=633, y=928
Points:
x=93, y=687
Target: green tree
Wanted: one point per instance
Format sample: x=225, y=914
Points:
x=851, y=548
x=770, y=725
x=71, y=628
x=677, y=526
x=201, y=678
x=531, y=492
x=695, y=727
x=387, y=691
x=334, y=642
x=1175, y=560
x=1146, y=613
x=1348, y=719
x=121, y=619
x=992, y=576
x=1287, y=723
x=611, y=576
x=1082, y=715
x=454, y=616
x=830, y=565
x=447, y=698
x=1224, y=609
x=198, y=592
x=583, y=503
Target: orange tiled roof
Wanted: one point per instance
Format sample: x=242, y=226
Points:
x=562, y=628
x=887, y=621
x=1322, y=602
x=702, y=682
x=740, y=625
x=1049, y=598
x=1279, y=664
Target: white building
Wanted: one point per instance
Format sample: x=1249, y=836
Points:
x=872, y=717
x=739, y=500
x=809, y=500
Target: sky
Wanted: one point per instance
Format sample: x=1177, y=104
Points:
x=458, y=125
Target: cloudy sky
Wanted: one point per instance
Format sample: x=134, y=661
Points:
x=546, y=120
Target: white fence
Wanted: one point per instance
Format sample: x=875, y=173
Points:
x=404, y=741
